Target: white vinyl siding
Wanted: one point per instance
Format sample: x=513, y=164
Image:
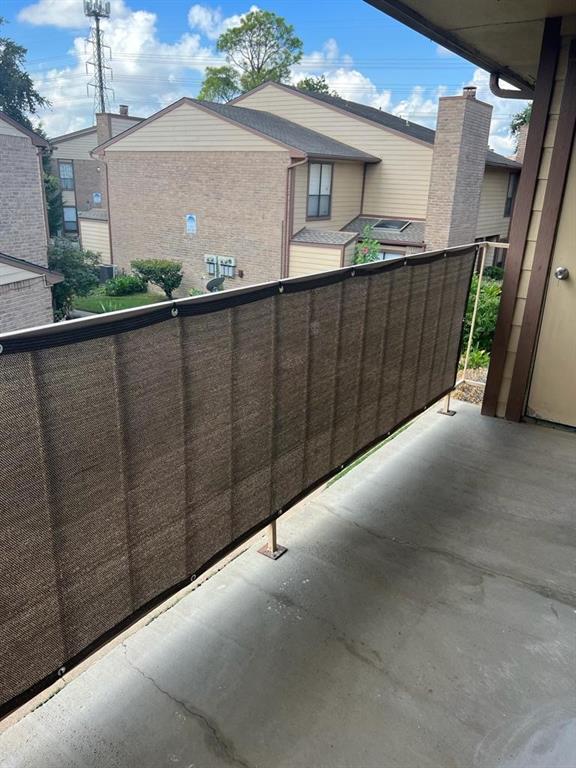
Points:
x=346, y=196
x=190, y=129
x=491, y=219
x=95, y=237
x=308, y=259
x=76, y=148
x=398, y=186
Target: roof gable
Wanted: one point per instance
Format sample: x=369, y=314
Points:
x=191, y=125
x=378, y=117
x=36, y=139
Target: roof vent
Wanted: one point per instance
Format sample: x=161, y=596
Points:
x=123, y=109
x=469, y=91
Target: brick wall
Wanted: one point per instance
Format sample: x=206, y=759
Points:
x=87, y=180
x=458, y=164
x=25, y=304
x=238, y=198
x=22, y=219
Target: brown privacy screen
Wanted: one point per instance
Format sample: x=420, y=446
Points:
x=139, y=448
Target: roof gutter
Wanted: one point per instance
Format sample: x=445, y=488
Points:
x=507, y=93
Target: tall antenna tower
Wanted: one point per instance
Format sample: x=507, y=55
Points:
x=96, y=66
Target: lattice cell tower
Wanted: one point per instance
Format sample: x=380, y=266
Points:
x=97, y=66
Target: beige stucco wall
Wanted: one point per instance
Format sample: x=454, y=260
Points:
x=398, y=186
x=346, y=196
x=491, y=219
x=534, y=226
x=238, y=198
x=308, y=259
x=22, y=215
x=94, y=236
x=188, y=128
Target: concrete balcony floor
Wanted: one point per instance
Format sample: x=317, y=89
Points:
x=425, y=615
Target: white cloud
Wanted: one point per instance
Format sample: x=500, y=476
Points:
x=444, y=52
x=148, y=73
x=420, y=107
x=211, y=22
x=63, y=13
x=340, y=75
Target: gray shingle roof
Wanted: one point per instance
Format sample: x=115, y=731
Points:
x=324, y=236
x=413, y=233
x=312, y=143
x=399, y=124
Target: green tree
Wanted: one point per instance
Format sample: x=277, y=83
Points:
x=18, y=97
x=368, y=249
x=263, y=47
x=518, y=120
x=80, y=270
x=166, y=274
x=220, y=84
x=316, y=84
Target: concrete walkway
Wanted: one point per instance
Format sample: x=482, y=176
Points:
x=425, y=615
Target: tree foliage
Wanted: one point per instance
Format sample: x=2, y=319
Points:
x=18, y=97
x=518, y=120
x=263, y=47
x=80, y=270
x=487, y=315
x=166, y=274
x=318, y=84
x=220, y=84
x=368, y=249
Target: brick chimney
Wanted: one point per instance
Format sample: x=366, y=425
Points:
x=103, y=127
x=458, y=163
x=522, y=137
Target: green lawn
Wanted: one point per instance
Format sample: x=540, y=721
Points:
x=98, y=302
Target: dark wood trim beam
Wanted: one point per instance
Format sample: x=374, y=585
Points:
x=551, y=212
x=523, y=211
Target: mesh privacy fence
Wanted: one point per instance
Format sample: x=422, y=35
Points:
x=138, y=449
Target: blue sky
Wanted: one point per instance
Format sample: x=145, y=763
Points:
x=161, y=47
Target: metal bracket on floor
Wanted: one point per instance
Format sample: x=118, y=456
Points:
x=272, y=549
x=445, y=410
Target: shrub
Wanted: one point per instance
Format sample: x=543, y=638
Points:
x=368, y=249
x=167, y=275
x=124, y=285
x=494, y=273
x=487, y=315
x=478, y=358
x=80, y=270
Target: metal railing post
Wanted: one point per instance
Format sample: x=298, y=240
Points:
x=272, y=549
x=475, y=310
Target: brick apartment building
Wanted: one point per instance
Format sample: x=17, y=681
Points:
x=25, y=280
x=281, y=183
x=83, y=180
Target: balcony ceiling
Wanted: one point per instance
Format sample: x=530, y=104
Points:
x=502, y=36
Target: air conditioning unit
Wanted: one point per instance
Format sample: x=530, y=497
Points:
x=106, y=272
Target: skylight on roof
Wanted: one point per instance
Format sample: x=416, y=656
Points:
x=392, y=224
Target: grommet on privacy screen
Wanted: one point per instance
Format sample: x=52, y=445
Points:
x=1, y=349
x=352, y=273
x=280, y=289
x=61, y=671
x=174, y=311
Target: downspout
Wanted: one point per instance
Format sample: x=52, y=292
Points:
x=288, y=217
